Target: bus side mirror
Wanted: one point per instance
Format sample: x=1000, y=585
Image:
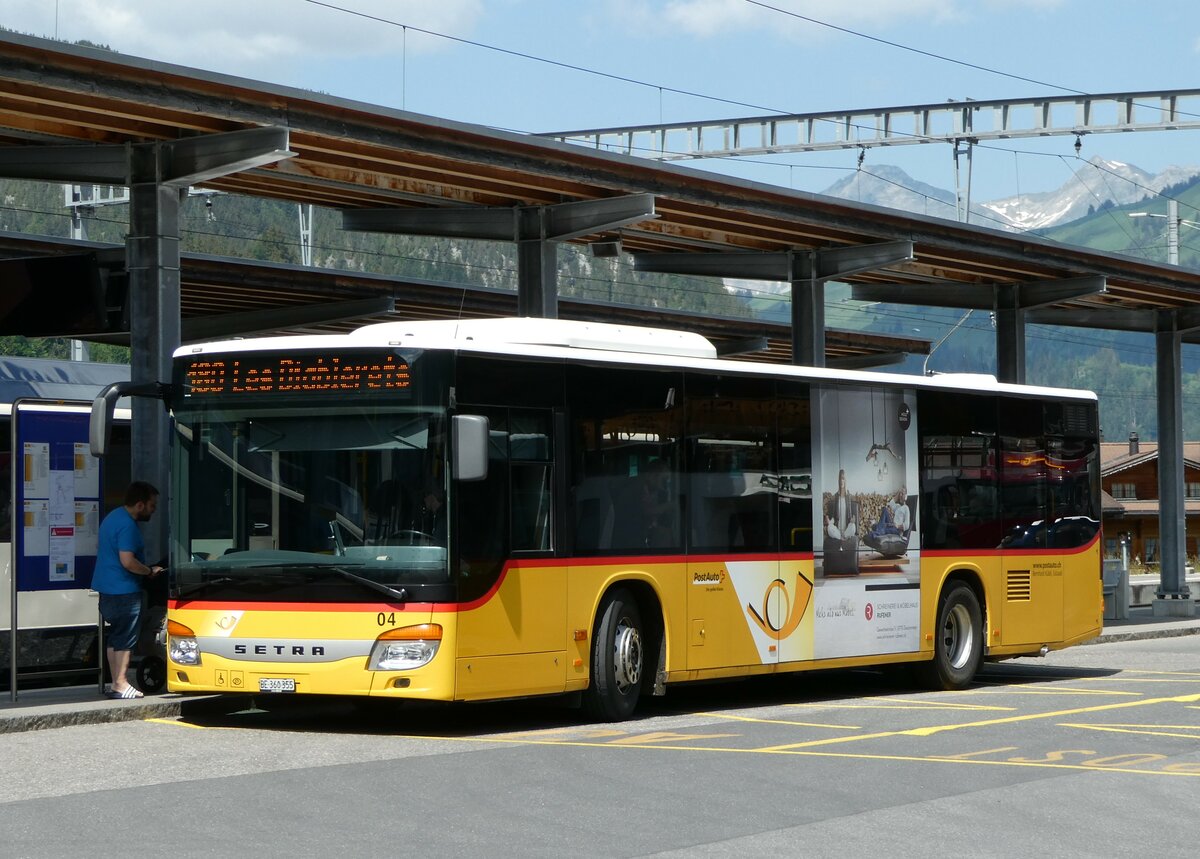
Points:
x=469, y=437
x=100, y=422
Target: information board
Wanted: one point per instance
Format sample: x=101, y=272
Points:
x=57, y=498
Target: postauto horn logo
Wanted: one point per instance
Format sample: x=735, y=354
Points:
x=779, y=623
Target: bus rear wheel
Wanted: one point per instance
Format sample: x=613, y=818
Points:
x=617, y=659
x=958, y=640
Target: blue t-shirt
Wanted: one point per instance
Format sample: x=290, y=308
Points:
x=118, y=533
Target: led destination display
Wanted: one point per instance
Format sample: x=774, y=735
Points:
x=295, y=373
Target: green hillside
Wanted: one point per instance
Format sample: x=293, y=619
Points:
x=1112, y=229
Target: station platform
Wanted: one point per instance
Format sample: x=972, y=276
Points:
x=38, y=709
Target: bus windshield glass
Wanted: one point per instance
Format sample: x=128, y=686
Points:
x=310, y=501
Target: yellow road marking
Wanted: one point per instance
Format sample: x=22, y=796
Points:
x=176, y=723
x=800, y=753
x=1029, y=717
x=661, y=736
x=913, y=705
x=782, y=722
x=966, y=755
x=1066, y=690
x=583, y=733
x=1141, y=729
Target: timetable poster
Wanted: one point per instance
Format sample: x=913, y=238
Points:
x=59, y=487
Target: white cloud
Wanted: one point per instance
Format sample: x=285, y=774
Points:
x=244, y=34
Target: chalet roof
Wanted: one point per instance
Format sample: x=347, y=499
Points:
x=1115, y=456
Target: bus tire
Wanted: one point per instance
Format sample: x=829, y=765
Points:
x=152, y=674
x=958, y=641
x=618, y=659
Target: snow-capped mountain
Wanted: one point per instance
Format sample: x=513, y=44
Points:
x=1098, y=182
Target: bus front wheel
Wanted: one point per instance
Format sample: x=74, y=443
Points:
x=617, y=659
x=958, y=640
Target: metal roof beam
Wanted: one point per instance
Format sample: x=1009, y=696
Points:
x=1117, y=319
x=198, y=159
x=103, y=165
x=559, y=222
x=1029, y=295
x=827, y=263
x=185, y=162
x=966, y=296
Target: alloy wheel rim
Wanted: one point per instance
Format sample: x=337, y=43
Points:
x=958, y=636
x=627, y=656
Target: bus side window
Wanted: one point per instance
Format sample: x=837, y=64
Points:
x=625, y=480
x=732, y=469
x=958, y=471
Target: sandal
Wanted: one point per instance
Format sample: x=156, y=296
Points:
x=125, y=694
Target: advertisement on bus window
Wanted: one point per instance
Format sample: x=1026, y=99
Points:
x=866, y=523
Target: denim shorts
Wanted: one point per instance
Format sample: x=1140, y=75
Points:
x=123, y=613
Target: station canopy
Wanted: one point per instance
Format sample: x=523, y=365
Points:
x=353, y=156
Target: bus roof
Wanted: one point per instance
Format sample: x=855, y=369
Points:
x=598, y=341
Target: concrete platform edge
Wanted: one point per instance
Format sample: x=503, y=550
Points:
x=62, y=716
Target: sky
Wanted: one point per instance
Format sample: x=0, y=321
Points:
x=672, y=54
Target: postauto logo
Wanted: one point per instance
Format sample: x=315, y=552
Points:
x=708, y=578
x=782, y=609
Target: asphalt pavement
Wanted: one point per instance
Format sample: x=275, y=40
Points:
x=37, y=709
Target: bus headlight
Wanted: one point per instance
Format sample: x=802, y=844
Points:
x=405, y=648
x=182, y=647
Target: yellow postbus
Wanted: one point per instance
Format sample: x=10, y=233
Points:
x=486, y=509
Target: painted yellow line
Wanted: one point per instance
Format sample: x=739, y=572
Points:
x=176, y=723
x=1135, y=729
x=1029, y=717
x=1141, y=725
x=782, y=722
x=1162, y=673
x=914, y=705
x=966, y=755
x=800, y=753
x=1063, y=690
x=1145, y=680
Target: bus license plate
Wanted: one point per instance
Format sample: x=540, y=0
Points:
x=276, y=684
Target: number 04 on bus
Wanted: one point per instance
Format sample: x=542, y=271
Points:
x=486, y=509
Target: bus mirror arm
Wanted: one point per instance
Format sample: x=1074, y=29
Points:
x=100, y=423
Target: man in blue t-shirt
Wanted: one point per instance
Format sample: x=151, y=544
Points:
x=120, y=568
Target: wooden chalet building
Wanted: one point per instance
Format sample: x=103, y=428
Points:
x=1129, y=479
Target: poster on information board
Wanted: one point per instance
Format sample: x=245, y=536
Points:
x=58, y=489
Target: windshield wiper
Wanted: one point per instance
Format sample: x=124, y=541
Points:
x=400, y=594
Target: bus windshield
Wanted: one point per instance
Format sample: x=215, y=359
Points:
x=341, y=502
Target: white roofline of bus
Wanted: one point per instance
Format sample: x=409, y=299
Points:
x=620, y=344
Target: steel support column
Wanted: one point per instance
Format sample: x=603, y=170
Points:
x=1010, y=335
x=152, y=258
x=808, y=321
x=537, y=267
x=1172, y=597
